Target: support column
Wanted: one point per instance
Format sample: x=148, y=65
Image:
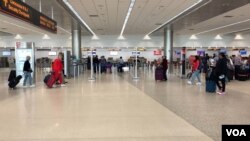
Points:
x=76, y=40
x=168, y=46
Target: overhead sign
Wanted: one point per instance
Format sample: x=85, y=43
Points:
x=157, y=52
x=243, y=52
x=20, y=10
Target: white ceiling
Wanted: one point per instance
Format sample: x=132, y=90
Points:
x=144, y=17
x=111, y=14
x=240, y=14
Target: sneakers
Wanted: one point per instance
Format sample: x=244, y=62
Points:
x=222, y=93
x=62, y=85
x=198, y=83
x=219, y=91
x=32, y=86
x=190, y=83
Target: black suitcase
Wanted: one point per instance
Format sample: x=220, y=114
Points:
x=14, y=82
x=12, y=75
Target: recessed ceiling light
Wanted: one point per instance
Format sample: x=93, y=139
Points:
x=147, y=37
x=95, y=37
x=193, y=37
x=121, y=37
x=93, y=16
x=18, y=37
x=228, y=16
x=238, y=37
x=218, y=37
x=46, y=37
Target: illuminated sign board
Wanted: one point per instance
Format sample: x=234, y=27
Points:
x=20, y=10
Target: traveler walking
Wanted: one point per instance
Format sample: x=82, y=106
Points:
x=196, y=71
x=27, y=72
x=164, y=64
x=57, y=68
x=221, y=72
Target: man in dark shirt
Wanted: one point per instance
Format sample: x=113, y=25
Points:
x=221, y=72
x=27, y=72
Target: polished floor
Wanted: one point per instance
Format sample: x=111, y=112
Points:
x=115, y=108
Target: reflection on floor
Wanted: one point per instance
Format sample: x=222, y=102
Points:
x=110, y=109
x=206, y=111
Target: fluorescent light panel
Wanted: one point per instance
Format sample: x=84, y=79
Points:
x=241, y=30
x=199, y=1
x=132, y=3
x=78, y=16
x=223, y=27
x=64, y=30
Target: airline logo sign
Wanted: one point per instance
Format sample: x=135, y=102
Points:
x=19, y=9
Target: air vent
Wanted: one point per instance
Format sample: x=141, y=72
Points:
x=99, y=29
x=3, y=28
x=93, y=16
x=158, y=24
x=228, y=16
x=191, y=29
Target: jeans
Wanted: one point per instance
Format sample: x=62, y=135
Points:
x=197, y=75
x=27, y=76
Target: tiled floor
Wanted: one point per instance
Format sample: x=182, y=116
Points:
x=205, y=111
x=105, y=110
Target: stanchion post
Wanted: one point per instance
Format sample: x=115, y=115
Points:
x=92, y=78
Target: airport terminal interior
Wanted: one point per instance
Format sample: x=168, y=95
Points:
x=123, y=70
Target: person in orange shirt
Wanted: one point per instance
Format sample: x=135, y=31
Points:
x=57, y=68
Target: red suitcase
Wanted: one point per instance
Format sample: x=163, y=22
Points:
x=51, y=81
x=159, y=73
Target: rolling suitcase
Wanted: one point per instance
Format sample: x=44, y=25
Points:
x=243, y=77
x=210, y=86
x=46, y=78
x=243, y=74
x=13, y=83
x=49, y=80
x=12, y=75
x=159, y=73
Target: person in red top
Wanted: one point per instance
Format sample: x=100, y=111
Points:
x=195, y=71
x=57, y=68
